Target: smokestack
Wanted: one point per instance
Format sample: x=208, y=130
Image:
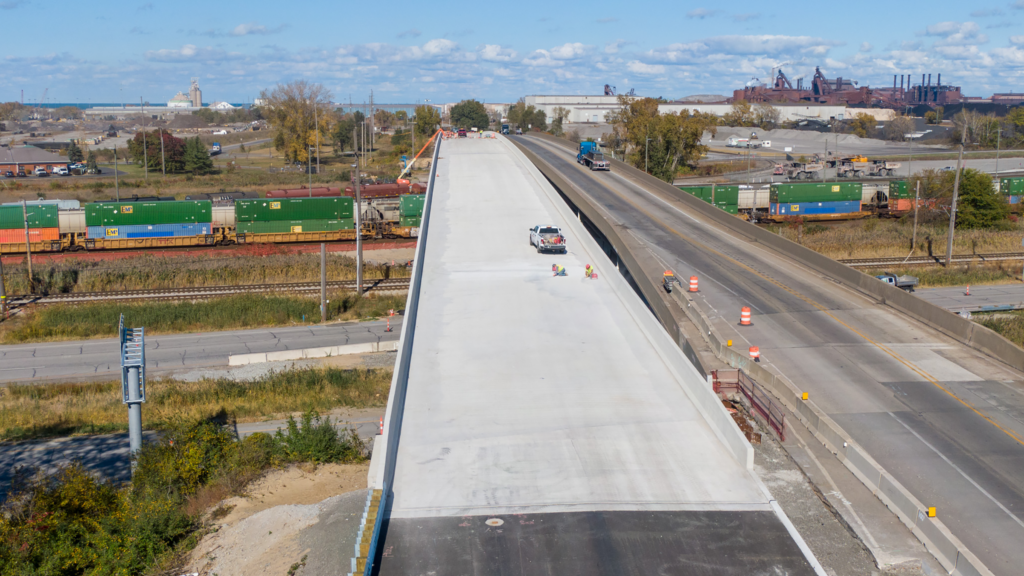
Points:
x=939, y=81
x=893, y=82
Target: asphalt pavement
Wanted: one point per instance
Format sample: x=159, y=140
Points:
x=945, y=420
x=96, y=359
x=975, y=298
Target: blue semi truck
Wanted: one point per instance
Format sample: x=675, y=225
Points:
x=590, y=156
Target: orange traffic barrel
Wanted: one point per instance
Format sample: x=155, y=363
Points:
x=755, y=353
x=693, y=283
x=745, y=316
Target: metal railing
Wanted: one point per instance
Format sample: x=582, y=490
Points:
x=760, y=400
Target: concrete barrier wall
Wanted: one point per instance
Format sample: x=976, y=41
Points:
x=304, y=353
x=669, y=345
x=946, y=547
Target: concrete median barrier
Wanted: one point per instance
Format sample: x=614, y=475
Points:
x=305, y=353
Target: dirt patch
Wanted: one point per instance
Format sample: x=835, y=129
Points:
x=258, y=533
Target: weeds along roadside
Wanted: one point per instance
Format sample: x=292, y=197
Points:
x=100, y=319
x=155, y=272
x=61, y=409
x=69, y=522
x=1009, y=324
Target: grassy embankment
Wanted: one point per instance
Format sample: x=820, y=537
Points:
x=99, y=320
x=1009, y=324
x=46, y=410
x=69, y=522
x=891, y=238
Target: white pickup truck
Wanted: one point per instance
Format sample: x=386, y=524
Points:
x=547, y=239
x=905, y=283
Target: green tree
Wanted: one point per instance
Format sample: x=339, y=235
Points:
x=427, y=121
x=75, y=153
x=90, y=163
x=862, y=125
x=296, y=110
x=978, y=204
x=470, y=114
x=741, y=114
x=526, y=116
x=196, y=157
x=675, y=139
x=766, y=116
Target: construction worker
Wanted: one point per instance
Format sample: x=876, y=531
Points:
x=559, y=270
x=667, y=279
x=589, y=271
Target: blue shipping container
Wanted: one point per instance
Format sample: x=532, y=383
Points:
x=148, y=231
x=1013, y=199
x=810, y=208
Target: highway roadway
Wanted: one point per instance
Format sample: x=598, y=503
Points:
x=95, y=359
x=978, y=299
x=945, y=420
x=550, y=425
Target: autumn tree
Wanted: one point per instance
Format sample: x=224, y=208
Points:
x=766, y=116
x=741, y=114
x=146, y=147
x=296, y=109
x=898, y=128
x=861, y=125
x=675, y=139
x=527, y=116
x=428, y=119
x=558, y=116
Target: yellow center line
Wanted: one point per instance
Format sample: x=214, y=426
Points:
x=821, y=308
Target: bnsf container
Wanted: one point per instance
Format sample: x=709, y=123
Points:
x=722, y=194
x=270, y=210
x=42, y=216
x=385, y=190
x=1011, y=186
x=815, y=192
x=410, y=205
x=17, y=235
x=810, y=208
x=149, y=231
x=295, y=226
x=304, y=193
x=146, y=213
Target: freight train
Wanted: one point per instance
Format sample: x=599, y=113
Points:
x=66, y=225
x=827, y=200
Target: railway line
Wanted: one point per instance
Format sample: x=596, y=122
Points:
x=205, y=292
x=931, y=260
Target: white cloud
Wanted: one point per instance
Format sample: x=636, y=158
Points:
x=701, y=13
x=255, y=28
x=641, y=68
x=614, y=47
x=569, y=51
x=495, y=53
x=957, y=33
x=188, y=52
x=866, y=47
x=1017, y=40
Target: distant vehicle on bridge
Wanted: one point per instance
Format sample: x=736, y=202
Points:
x=548, y=239
x=590, y=156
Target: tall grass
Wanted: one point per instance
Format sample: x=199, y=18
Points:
x=873, y=238
x=255, y=265
x=1009, y=324
x=100, y=319
x=32, y=411
x=957, y=275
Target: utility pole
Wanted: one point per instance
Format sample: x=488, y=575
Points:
x=999, y=132
x=917, y=203
x=3, y=291
x=956, y=192
x=163, y=159
x=359, y=231
x=28, y=250
x=145, y=140
x=309, y=163
x=372, y=122
x=323, y=282
x=117, y=188
x=316, y=124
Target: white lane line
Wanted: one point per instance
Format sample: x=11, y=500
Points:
x=962, y=473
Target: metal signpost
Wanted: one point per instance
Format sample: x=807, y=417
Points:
x=133, y=381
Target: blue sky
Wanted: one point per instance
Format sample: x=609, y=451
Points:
x=495, y=51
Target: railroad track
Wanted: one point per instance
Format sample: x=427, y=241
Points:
x=931, y=260
x=204, y=292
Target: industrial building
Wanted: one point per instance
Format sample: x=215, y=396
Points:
x=27, y=158
x=179, y=104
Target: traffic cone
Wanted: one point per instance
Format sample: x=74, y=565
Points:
x=381, y=431
x=745, y=316
x=968, y=291
x=755, y=353
x=693, y=283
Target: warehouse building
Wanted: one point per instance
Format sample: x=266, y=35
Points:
x=28, y=158
x=596, y=109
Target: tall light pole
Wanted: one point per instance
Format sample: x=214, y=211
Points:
x=117, y=188
x=956, y=191
x=309, y=163
x=999, y=133
x=145, y=140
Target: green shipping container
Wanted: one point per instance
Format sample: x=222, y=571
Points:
x=277, y=209
x=722, y=194
x=142, y=213
x=414, y=221
x=898, y=190
x=295, y=226
x=730, y=208
x=1011, y=186
x=40, y=216
x=815, y=192
x=411, y=204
